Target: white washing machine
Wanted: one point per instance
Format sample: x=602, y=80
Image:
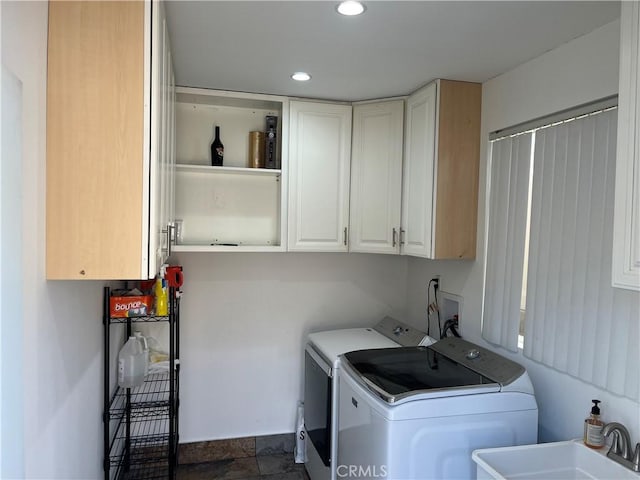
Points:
x=419, y=412
x=321, y=387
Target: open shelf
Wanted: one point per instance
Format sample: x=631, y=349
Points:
x=149, y=449
x=143, y=318
x=229, y=204
x=226, y=205
x=209, y=170
x=149, y=399
x=227, y=248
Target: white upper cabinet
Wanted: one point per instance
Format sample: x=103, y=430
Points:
x=319, y=170
x=109, y=140
x=440, y=177
x=376, y=177
x=626, y=232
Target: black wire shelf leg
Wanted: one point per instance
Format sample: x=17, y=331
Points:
x=106, y=400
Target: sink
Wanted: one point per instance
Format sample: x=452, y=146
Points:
x=549, y=461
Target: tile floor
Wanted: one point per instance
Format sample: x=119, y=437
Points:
x=264, y=467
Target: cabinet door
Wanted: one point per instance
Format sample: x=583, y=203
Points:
x=162, y=159
x=97, y=175
x=626, y=232
x=320, y=140
x=417, y=201
x=376, y=177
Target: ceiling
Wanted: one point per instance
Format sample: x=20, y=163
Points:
x=392, y=49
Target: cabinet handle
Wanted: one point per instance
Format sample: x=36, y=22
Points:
x=402, y=232
x=344, y=235
x=168, y=231
x=169, y=236
x=394, y=237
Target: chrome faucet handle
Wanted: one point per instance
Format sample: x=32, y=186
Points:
x=636, y=458
x=621, y=442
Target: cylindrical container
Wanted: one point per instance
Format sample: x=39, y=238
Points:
x=256, y=149
x=162, y=305
x=131, y=364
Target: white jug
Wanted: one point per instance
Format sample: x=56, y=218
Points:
x=131, y=364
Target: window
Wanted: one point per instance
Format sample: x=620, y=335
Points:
x=549, y=244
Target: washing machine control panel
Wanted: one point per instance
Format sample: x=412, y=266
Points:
x=480, y=360
x=399, y=332
x=473, y=354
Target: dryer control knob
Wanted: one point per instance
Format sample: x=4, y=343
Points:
x=473, y=354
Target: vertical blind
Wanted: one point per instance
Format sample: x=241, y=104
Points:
x=509, y=193
x=575, y=321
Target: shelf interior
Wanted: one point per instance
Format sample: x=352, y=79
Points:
x=143, y=318
x=228, y=209
x=195, y=124
x=206, y=169
x=144, y=451
x=149, y=399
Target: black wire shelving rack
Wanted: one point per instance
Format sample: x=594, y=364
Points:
x=141, y=423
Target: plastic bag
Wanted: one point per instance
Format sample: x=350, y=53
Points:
x=300, y=450
x=158, y=353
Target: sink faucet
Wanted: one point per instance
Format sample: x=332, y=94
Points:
x=621, y=439
x=620, y=450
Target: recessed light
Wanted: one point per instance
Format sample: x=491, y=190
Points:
x=350, y=8
x=301, y=76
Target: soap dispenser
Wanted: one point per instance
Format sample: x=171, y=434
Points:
x=593, y=426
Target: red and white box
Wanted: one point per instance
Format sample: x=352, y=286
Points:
x=123, y=306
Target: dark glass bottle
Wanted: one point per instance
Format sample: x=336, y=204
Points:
x=217, y=150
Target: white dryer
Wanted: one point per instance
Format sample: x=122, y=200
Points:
x=419, y=412
x=321, y=388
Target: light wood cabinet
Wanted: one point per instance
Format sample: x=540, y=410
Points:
x=232, y=208
x=319, y=168
x=626, y=231
x=109, y=148
x=440, y=178
x=376, y=177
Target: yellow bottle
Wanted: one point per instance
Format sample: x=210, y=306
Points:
x=593, y=426
x=161, y=298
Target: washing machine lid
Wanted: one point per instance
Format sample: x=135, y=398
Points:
x=449, y=367
x=332, y=343
x=388, y=333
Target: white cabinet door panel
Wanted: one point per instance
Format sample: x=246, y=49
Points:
x=418, y=181
x=320, y=139
x=376, y=177
x=162, y=162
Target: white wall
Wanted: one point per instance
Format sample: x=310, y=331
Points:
x=578, y=72
x=244, y=319
x=11, y=340
x=62, y=320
